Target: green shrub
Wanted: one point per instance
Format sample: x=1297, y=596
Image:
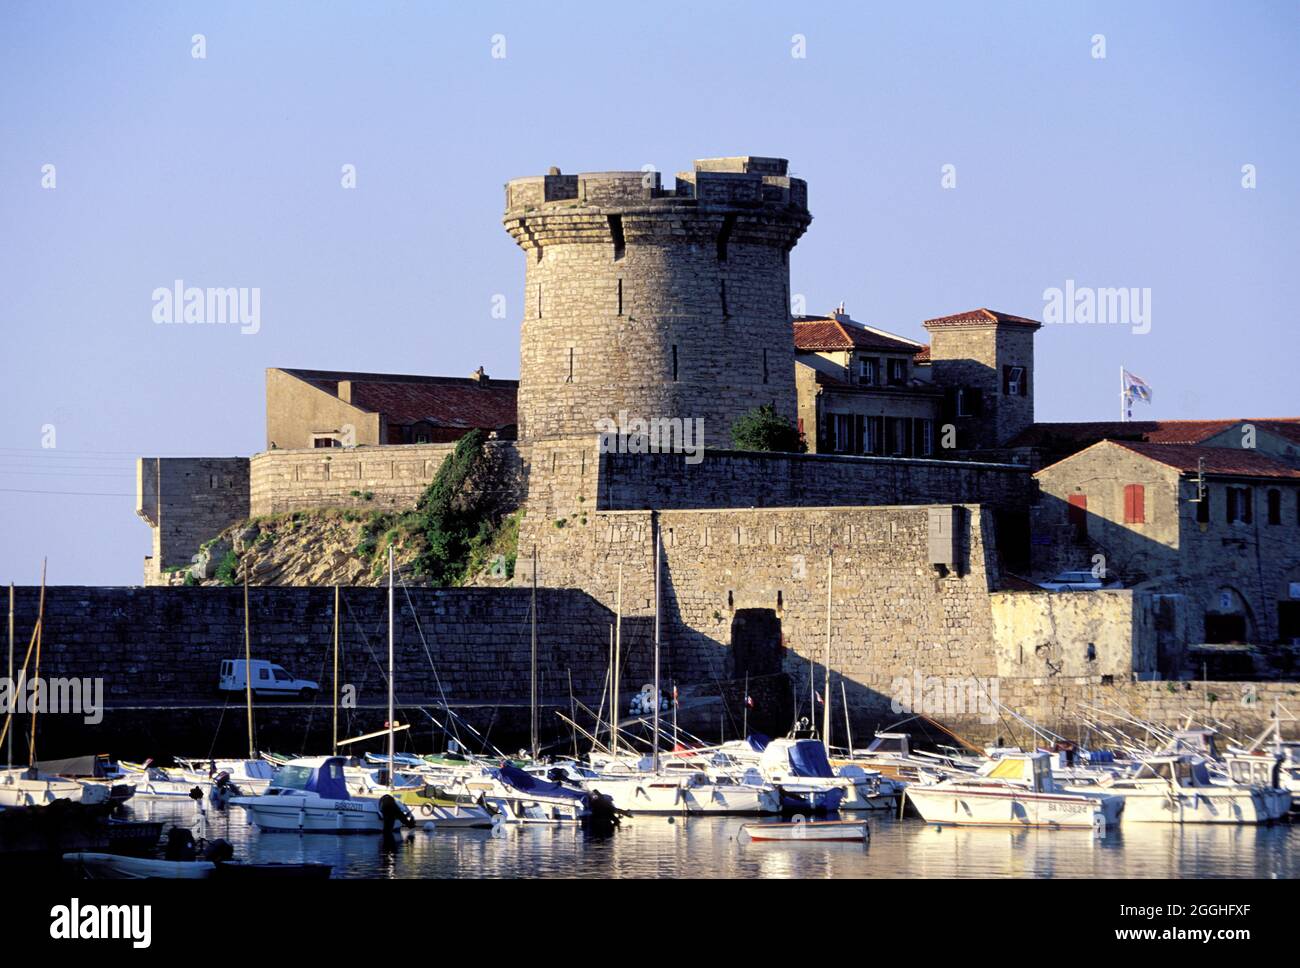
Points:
x=764, y=429
x=228, y=570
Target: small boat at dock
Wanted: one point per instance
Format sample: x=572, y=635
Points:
x=813, y=831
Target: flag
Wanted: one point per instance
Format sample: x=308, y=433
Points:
x=819, y=697
x=749, y=701
x=1136, y=388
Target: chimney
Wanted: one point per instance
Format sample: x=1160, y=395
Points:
x=345, y=391
x=480, y=377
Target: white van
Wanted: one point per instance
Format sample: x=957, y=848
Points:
x=269, y=679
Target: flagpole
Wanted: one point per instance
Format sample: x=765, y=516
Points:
x=1123, y=410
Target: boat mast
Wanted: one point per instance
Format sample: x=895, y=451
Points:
x=744, y=715
x=533, y=666
x=335, y=747
x=40, y=634
x=248, y=669
x=392, y=749
x=826, y=668
x=848, y=727
x=654, y=756
x=9, y=739
x=618, y=646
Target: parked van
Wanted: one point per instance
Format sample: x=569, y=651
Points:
x=269, y=679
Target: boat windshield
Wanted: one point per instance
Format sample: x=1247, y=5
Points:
x=294, y=777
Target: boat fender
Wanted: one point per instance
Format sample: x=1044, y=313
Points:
x=426, y=809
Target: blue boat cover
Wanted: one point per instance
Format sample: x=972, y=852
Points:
x=326, y=780
x=514, y=777
x=808, y=758
x=757, y=742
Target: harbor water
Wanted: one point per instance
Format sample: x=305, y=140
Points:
x=712, y=847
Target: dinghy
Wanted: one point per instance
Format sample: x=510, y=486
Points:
x=815, y=831
x=117, y=867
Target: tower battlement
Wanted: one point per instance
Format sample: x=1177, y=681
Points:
x=746, y=183
x=654, y=302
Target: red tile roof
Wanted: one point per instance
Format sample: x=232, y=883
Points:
x=922, y=355
x=454, y=403
x=1227, y=461
x=980, y=317
x=1057, y=436
x=813, y=333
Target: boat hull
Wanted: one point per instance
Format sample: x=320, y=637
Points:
x=305, y=815
x=1011, y=808
x=817, y=831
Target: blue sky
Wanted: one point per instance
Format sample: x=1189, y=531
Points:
x=1122, y=171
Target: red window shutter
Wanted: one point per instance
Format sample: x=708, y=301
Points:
x=1078, y=513
x=1134, y=504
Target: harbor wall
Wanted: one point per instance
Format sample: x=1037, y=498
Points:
x=730, y=628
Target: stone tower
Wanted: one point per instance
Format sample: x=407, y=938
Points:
x=656, y=303
x=985, y=359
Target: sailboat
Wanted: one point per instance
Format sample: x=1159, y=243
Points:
x=311, y=794
x=32, y=786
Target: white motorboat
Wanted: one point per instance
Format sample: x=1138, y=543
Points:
x=805, y=778
x=520, y=797
x=1179, y=789
x=310, y=795
x=1267, y=771
x=1015, y=791
x=29, y=788
x=155, y=783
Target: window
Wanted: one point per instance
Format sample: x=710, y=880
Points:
x=1014, y=381
x=875, y=436
x=539, y=299
x=867, y=371
x=616, y=234
x=841, y=426
x=620, y=297
x=1240, y=505
x=324, y=442
x=897, y=372
x=724, y=234
x=967, y=402
x=1134, y=504
x=421, y=438
x=1203, y=507
x=927, y=436
x=675, y=363
x=1274, y=506
x=569, y=378
x=1077, y=515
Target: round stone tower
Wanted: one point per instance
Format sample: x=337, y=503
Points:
x=647, y=303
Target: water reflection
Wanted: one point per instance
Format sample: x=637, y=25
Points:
x=709, y=847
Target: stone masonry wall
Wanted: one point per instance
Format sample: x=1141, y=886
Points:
x=186, y=501
x=394, y=476
x=656, y=303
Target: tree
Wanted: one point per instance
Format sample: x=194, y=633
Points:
x=764, y=429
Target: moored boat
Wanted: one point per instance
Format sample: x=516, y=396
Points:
x=1016, y=790
x=813, y=831
x=310, y=795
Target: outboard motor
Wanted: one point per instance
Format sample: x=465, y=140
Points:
x=180, y=845
x=393, y=812
x=218, y=851
x=223, y=788
x=602, y=816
